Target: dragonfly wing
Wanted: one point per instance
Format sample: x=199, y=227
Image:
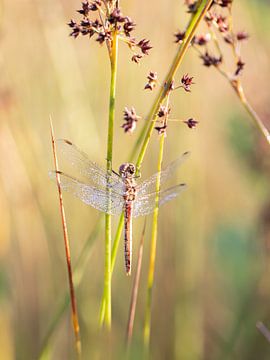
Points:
x=149, y=186
x=144, y=205
x=87, y=168
x=90, y=195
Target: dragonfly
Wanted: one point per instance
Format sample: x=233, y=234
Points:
x=114, y=193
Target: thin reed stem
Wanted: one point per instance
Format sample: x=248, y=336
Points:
x=108, y=220
x=77, y=276
x=75, y=319
x=237, y=86
x=146, y=132
x=153, y=246
x=113, y=258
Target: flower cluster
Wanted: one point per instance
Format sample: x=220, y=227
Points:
x=187, y=81
x=191, y=123
x=163, y=114
x=131, y=119
x=191, y=6
x=201, y=39
x=108, y=19
x=219, y=23
x=209, y=60
x=152, y=80
x=179, y=36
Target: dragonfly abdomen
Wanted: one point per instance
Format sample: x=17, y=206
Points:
x=128, y=235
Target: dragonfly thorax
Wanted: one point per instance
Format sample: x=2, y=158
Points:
x=127, y=170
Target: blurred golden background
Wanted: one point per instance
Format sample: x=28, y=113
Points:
x=212, y=276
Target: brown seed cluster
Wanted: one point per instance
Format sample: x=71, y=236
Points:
x=131, y=119
x=152, y=81
x=187, y=81
x=201, y=39
x=179, y=36
x=218, y=22
x=191, y=123
x=100, y=19
x=209, y=60
x=163, y=115
x=191, y=6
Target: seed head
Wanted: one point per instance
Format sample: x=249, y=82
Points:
x=163, y=111
x=179, y=35
x=116, y=16
x=191, y=5
x=242, y=35
x=209, y=60
x=95, y=5
x=144, y=46
x=136, y=58
x=191, y=123
x=162, y=129
x=239, y=67
x=152, y=80
x=229, y=39
x=131, y=119
x=76, y=30
x=128, y=26
x=84, y=9
x=222, y=23
x=202, y=39
x=104, y=36
x=187, y=82
x=209, y=17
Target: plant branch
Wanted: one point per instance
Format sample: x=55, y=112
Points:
x=237, y=86
x=151, y=270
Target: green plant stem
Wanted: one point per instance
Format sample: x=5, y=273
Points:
x=147, y=130
x=153, y=246
x=108, y=221
x=113, y=258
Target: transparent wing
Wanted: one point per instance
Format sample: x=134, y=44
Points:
x=149, y=185
x=87, y=168
x=145, y=204
x=90, y=195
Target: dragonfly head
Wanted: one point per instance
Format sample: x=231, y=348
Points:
x=127, y=170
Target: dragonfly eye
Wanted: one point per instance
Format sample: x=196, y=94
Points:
x=127, y=170
x=131, y=169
